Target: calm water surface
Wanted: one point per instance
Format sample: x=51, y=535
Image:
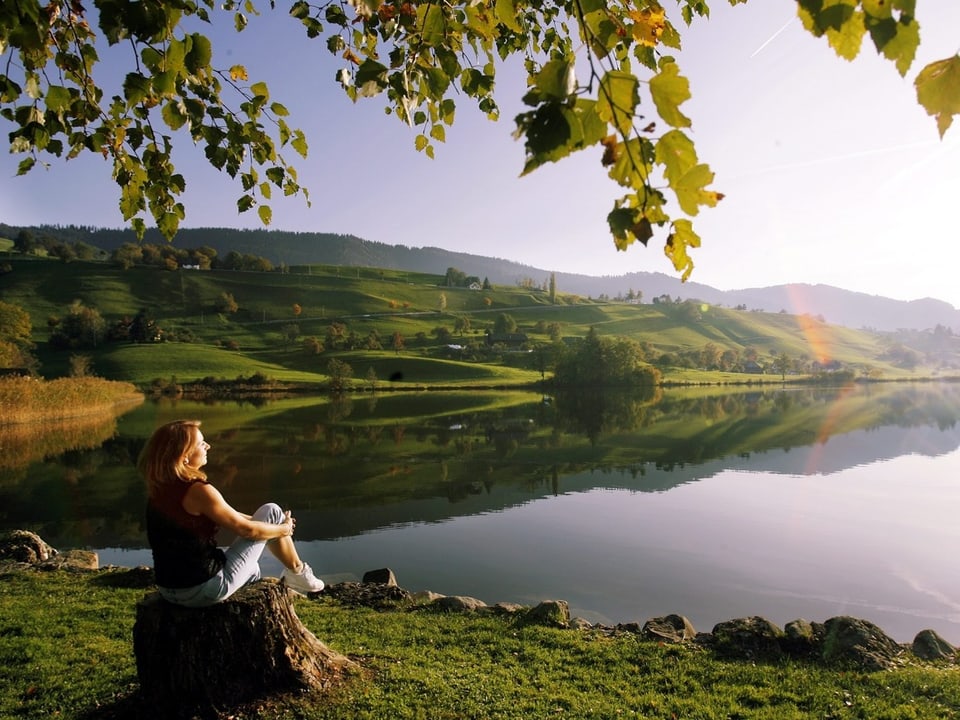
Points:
x=782, y=504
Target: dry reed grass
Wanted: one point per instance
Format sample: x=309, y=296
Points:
x=25, y=400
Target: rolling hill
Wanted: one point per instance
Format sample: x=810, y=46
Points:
x=835, y=305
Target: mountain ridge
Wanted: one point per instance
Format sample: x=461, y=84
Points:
x=835, y=305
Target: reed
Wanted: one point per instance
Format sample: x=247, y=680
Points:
x=30, y=400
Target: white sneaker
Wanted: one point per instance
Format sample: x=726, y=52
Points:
x=303, y=582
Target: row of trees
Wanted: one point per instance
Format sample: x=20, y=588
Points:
x=169, y=257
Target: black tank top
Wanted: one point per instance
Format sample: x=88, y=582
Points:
x=184, y=546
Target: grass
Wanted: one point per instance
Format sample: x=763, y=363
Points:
x=385, y=302
x=27, y=400
x=66, y=652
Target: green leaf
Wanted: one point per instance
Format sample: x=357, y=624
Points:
x=669, y=89
x=617, y=99
x=245, y=203
x=199, y=55
x=57, y=98
x=506, y=13
x=438, y=133
x=26, y=165
x=371, y=78
x=421, y=142
x=938, y=91
x=880, y=9
x=432, y=24
x=599, y=30
x=691, y=189
x=265, y=213
x=279, y=110
x=676, y=152
x=299, y=143
x=136, y=88
x=167, y=224
x=260, y=90
x=628, y=225
x=633, y=167
x=897, y=41
x=555, y=81
x=682, y=238
x=173, y=115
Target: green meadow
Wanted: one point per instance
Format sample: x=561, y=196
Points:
x=276, y=313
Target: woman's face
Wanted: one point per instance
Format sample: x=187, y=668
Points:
x=196, y=456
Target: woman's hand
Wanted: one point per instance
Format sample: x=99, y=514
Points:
x=288, y=524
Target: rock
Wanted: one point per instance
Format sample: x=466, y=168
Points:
x=859, y=642
x=751, y=638
x=380, y=596
x=384, y=576
x=579, y=623
x=207, y=659
x=458, y=603
x=927, y=645
x=508, y=608
x=669, y=628
x=426, y=596
x=803, y=638
x=72, y=561
x=25, y=547
x=552, y=613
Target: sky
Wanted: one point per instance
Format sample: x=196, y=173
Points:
x=832, y=173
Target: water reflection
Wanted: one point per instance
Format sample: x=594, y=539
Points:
x=695, y=501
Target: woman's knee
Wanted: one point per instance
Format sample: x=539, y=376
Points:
x=269, y=512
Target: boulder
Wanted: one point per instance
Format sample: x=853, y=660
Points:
x=669, y=628
x=458, y=603
x=859, y=642
x=750, y=638
x=927, y=645
x=383, y=576
x=23, y=546
x=803, y=638
x=552, y=613
x=206, y=660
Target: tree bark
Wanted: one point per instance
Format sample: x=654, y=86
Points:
x=205, y=660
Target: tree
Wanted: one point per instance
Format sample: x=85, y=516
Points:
x=143, y=329
x=504, y=324
x=553, y=288
x=24, y=242
x=781, y=364
x=16, y=345
x=226, y=304
x=461, y=324
x=422, y=58
x=340, y=374
x=81, y=327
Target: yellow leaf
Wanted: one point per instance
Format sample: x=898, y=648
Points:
x=938, y=91
x=649, y=25
x=238, y=72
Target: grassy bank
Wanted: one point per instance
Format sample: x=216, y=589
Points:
x=66, y=651
x=30, y=400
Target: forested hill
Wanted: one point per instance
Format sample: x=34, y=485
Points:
x=835, y=305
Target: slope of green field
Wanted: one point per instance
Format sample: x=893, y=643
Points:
x=276, y=311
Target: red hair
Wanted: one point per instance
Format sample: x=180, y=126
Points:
x=164, y=458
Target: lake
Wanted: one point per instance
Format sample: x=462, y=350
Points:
x=711, y=503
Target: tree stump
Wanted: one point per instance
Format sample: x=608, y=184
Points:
x=205, y=660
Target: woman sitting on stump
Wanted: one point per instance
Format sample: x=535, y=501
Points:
x=184, y=512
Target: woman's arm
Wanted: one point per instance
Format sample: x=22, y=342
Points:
x=205, y=499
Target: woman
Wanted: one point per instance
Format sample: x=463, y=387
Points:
x=184, y=512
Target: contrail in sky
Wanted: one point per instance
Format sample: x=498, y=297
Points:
x=772, y=38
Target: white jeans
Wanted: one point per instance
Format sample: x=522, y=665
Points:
x=242, y=567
